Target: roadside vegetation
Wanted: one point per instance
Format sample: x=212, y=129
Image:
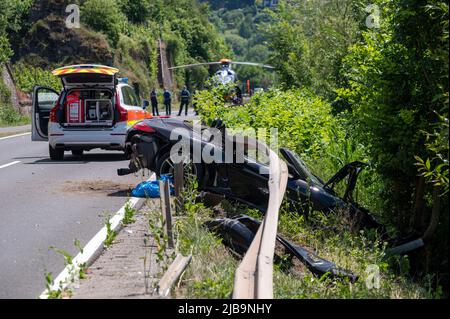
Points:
x=125, y=33
x=129, y=214
x=75, y=272
x=356, y=80
x=9, y=116
x=367, y=85
x=212, y=269
x=27, y=76
x=78, y=271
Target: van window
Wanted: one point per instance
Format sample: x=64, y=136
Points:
x=46, y=100
x=129, y=96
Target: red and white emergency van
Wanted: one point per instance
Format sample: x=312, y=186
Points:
x=93, y=110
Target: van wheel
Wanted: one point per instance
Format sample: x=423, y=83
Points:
x=56, y=154
x=77, y=153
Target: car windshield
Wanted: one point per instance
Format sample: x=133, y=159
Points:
x=305, y=171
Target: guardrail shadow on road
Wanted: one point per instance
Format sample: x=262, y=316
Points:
x=121, y=193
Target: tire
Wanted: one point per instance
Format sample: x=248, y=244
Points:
x=77, y=153
x=165, y=166
x=56, y=154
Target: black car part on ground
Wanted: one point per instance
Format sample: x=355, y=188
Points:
x=238, y=234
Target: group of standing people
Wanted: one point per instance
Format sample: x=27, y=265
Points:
x=167, y=98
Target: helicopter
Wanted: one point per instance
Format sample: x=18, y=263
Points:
x=226, y=75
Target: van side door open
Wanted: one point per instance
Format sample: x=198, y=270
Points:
x=44, y=99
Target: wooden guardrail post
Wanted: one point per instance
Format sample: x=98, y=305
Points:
x=164, y=188
x=172, y=274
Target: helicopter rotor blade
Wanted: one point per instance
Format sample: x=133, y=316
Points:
x=254, y=64
x=188, y=66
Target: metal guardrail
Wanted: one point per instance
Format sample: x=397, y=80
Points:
x=254, y=276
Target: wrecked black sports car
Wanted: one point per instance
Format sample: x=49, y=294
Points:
x=149, y=144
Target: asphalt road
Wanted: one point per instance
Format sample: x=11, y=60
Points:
x=45, y=203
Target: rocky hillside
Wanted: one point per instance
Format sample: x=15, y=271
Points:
x=122, y=33
x=46, y=41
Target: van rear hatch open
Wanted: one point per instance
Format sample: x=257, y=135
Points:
x=89, y=95
x=87, y=75
x=88, y=108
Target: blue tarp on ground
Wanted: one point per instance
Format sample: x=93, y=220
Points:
x=150, y=189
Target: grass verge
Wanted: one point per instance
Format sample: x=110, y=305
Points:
x=9, y=116
x=211, y=272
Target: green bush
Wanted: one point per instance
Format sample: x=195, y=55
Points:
x=5, y=94
x=133, y=57
x=137, y=11
x=11, y=12
x=10, y=116
x=304, y=121
x=395, y=88
x=27, y=76
x=104, y=16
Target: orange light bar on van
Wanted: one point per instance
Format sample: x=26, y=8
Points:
x=85, y=68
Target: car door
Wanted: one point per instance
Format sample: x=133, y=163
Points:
x=350, y=172
x=130, y=101
x=44, y=99
x=249, y=183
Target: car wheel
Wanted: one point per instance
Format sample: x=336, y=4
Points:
x=165, y=166
x=56, y=154
x=77, y=153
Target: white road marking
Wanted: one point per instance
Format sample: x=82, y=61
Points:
x=93, y=248
x=16, y=135
x=10, y=164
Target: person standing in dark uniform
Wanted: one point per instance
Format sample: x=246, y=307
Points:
x=185, y=95
x=168, y=102
x=154, y=101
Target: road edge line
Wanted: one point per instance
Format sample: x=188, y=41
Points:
x=9, y=164
x=94, y=247
x=15, y=135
